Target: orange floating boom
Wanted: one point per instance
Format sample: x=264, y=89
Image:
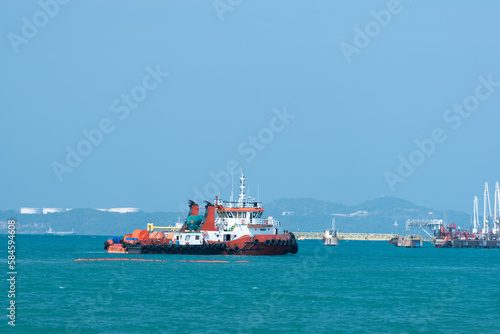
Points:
x=121, y=259
x=149, y=260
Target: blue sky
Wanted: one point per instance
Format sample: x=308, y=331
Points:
x=234, y=70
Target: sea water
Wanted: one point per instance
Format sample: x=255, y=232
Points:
x=356, y=287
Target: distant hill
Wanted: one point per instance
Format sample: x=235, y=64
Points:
x=375, y=216
x=87, y=221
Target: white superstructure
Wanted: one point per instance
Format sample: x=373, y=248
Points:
x=244, y=217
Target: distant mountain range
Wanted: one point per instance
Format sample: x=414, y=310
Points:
x=375, y=216
x=306, y=215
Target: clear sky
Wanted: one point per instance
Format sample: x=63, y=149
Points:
x=316, y=99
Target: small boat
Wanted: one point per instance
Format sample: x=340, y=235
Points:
x=52, y=232
x=330, y=237
x=408, y=241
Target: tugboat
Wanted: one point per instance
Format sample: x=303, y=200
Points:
x=226, y=228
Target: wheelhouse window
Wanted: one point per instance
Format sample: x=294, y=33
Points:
x=244, y=214
x=239, y=214
x=197, y=237
x=230, y=215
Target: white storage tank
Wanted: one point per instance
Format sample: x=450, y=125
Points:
x=51, y=210
x=30, y=211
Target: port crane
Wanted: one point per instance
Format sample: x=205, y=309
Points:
x=486, y=222
x=496, y=213
x=476, y=228
x=486, y=229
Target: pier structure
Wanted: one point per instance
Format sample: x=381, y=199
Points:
x=346, y=236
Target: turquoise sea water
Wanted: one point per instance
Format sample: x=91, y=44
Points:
x=356, y=287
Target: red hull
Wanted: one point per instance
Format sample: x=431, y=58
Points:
x=246, y=245
x=263, y=245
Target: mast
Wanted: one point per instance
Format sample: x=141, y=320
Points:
x=242, y=188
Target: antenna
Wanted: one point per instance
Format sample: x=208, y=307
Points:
x=258, y=192
x=242, y=188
